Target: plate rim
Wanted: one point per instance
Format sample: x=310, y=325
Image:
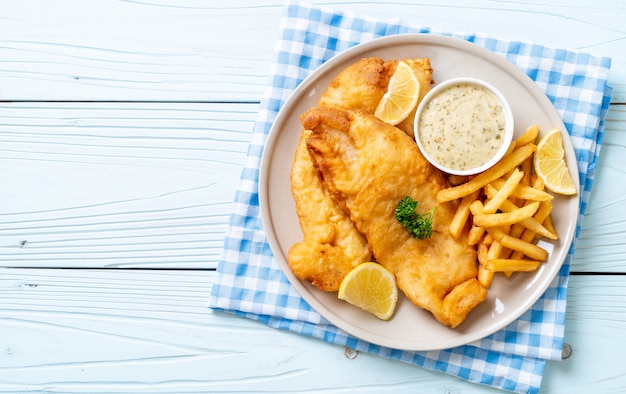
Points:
x=269, y=147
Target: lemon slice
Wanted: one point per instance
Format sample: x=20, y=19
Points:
x=371, y=287
x=550, y=164
x=401, y=96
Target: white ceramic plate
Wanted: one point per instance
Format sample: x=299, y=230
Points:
x=412, y=328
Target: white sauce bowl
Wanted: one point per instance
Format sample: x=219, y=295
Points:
x=463, y=134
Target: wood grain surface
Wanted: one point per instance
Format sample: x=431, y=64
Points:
x=195, y=50
x=122, y=185
x=150, y=331
x=124, y=126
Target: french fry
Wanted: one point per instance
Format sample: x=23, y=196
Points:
x=512, y=265
x=476, y=207
x=505, y=191
x=524, y=192
x=507, y=218
x=528, y=137
x=518, y=229
x=462, y=214
x=527, y=168
x=495, y=248
x=481, y=251
x=547, y=223
x=541, y=215
x=475, y=235
x=488, y=239
x=537, y=182
x=530, y=223
x=526, y=248
x=508, y=208
x=485, y=276
x=506, y=164
x=544, y=211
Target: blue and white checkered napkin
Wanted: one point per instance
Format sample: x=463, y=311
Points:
x=251, y=284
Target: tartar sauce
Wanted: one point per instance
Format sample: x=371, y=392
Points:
x=463, y=126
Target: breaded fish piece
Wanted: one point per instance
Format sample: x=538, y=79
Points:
x=331, y=245
x=368, y=166
x=363, y=84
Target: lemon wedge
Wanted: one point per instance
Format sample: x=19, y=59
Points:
x=550, y=164
x=401, y=96
x=370, y=287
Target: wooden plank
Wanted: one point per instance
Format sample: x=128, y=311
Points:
x=130, y=50
x=150, y=331
x=166, y=50
x=595, y=323
x=601, y=246
x=119, y=184
x=152, y=184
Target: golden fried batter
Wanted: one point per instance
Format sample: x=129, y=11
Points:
x=368, y=166
x=363, y=84
x=332, y=246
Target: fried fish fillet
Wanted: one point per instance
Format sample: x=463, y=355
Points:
x=331, y=246
x=368, y=166
x=363, y=84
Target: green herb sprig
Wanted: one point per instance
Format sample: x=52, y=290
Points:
x=420, y=226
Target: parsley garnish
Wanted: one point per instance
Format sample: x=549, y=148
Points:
x=420, y=226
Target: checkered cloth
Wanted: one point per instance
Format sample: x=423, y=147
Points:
x=251, y=284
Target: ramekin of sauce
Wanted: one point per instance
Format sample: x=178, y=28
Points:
x=463, y=126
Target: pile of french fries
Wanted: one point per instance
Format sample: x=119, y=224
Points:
x=507, y=208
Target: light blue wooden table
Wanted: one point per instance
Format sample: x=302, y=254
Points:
x=123, y=129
